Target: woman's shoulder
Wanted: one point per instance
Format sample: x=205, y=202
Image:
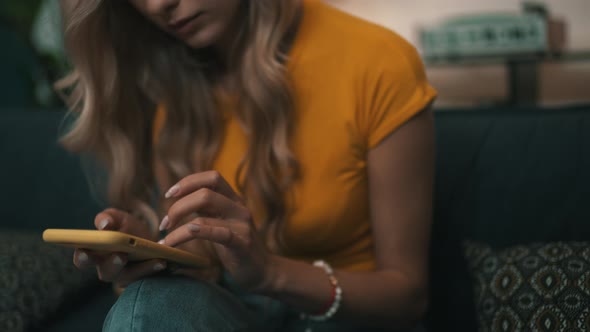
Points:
x=331, y=31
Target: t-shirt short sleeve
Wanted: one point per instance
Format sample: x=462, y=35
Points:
x=395, y=90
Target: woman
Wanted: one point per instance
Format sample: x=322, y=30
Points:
x=290, y=142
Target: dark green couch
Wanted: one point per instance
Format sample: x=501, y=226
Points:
x=42, y=187
x=504, y=177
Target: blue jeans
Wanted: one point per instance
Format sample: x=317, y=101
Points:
x=182, y=304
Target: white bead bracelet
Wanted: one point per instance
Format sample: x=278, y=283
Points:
x=336, y=299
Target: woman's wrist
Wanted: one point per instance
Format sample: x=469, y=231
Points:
x=273, y=279
x=310, y=289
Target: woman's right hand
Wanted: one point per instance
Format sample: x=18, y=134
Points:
x=113, y=267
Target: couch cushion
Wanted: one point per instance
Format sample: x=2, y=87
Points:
x=536, y=287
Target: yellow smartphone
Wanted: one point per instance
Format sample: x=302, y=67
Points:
x=137, y=249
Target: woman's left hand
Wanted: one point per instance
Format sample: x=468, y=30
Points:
x=222, y=219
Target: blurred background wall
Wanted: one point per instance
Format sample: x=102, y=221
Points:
x=32, y=56
x=469, y=85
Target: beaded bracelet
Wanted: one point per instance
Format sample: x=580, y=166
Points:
x=332, y=307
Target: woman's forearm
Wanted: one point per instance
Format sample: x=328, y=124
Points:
x=385, y=298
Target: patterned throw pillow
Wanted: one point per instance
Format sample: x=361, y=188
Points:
x=35, y=279
x=537, y=287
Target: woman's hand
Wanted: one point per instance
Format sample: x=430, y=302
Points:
x=222, y=219
x=113, y=267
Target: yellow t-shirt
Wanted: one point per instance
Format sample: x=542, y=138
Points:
x=354, y=83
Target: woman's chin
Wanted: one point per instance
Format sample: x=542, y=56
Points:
x=201, y=39
x=196, y=43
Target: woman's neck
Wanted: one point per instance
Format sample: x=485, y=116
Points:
x=226, y=45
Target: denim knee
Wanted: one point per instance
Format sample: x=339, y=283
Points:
x=177, y=304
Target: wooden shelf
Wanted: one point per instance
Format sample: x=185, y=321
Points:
x=523, y=70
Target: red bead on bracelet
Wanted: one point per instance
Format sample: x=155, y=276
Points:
x=328, y=305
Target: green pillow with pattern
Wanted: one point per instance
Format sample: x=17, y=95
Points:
x=536, y=287
x=35, y=280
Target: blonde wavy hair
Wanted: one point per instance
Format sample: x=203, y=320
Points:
x=124, y=67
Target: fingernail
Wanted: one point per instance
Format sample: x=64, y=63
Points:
x=159, y=267
x=193, y=227
x=103, y=224
x=82, y=257
x=164, y=223
x=172, y=191
x=117, y=260
x=162, y=241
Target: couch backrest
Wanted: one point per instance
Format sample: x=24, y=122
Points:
x=504, y=177
x=18, y=65
x=42, y=185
